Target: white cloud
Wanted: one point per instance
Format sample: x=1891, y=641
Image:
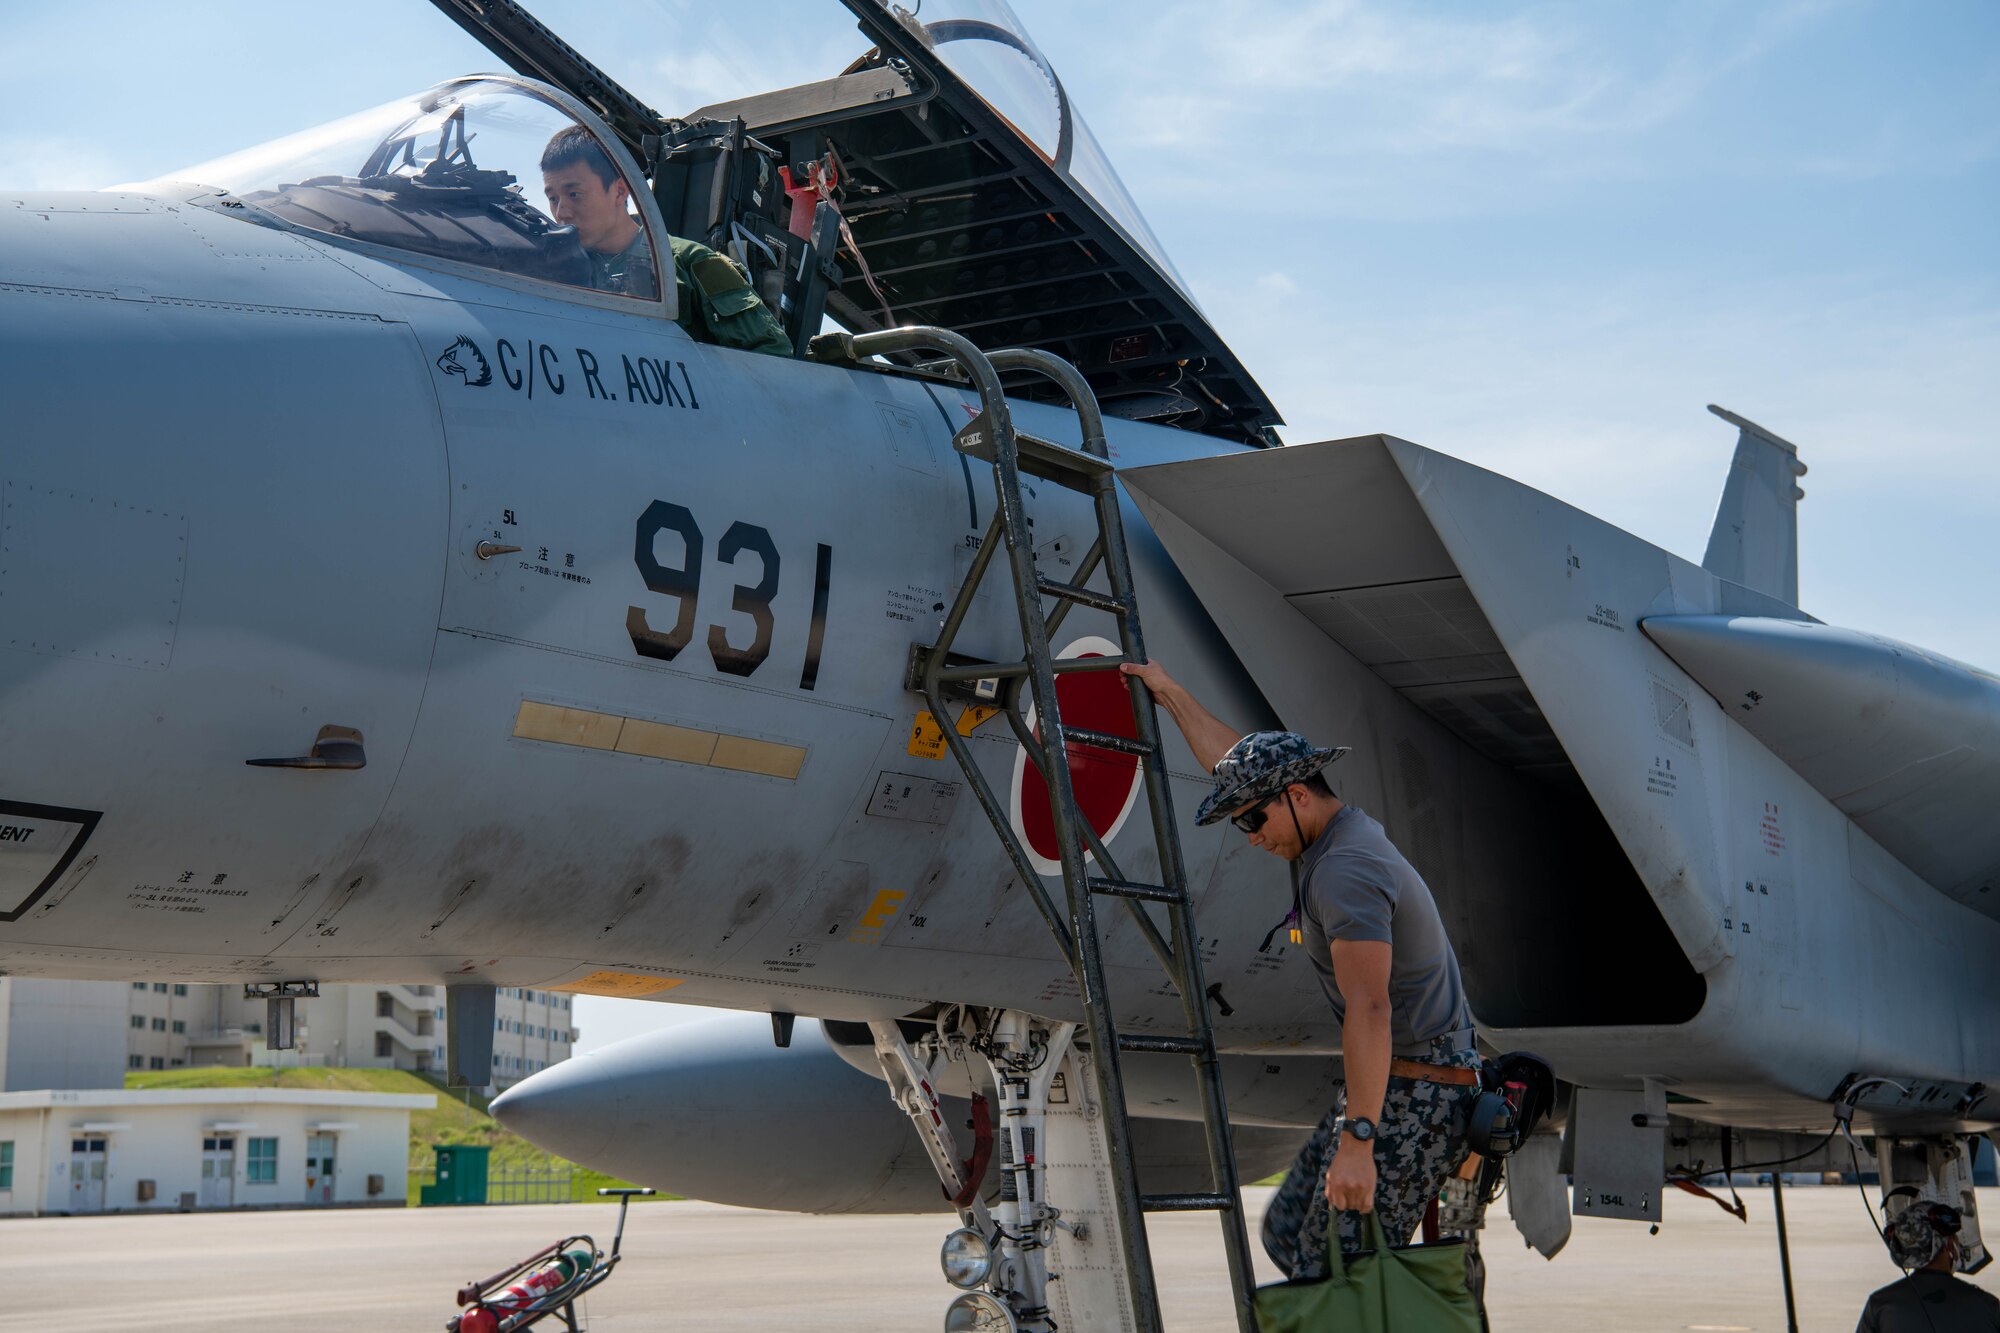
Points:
x=1375, y=100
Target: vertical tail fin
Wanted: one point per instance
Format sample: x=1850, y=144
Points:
x=1755, y=541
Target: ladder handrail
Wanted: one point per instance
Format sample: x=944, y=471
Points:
x=1091, y=418
x=1111, y=546
x=1075, y=837
x=1070, y=380
x=854, y=347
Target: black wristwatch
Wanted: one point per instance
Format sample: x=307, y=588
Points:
x=1359, y=1127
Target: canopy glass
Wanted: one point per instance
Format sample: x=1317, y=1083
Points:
x=451, y=173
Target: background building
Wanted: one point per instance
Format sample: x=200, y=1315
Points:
x=387, y=1027
x=177, y=1150
x=87, y=1034
x=160, y=1019
x=532, y=1032
x=62, y=1034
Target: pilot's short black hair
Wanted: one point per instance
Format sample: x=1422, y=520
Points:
x=577, y=144
x=1316, y=784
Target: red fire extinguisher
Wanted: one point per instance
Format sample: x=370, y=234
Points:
x=512, y=1305
x=478, y=1319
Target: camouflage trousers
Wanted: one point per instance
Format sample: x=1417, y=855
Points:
x=1420, y=1142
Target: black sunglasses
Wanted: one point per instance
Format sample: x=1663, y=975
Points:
x=1253, y=819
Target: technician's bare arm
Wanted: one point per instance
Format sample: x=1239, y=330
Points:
x=1361, y=970
x=1207, y=735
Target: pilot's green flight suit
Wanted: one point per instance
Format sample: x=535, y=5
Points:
x=716, y=303
x=629, y=272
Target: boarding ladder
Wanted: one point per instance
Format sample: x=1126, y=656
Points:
x=991, y=437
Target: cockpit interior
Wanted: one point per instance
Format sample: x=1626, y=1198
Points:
x=453, y=173
x=942, y=177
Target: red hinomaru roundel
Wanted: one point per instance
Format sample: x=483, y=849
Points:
x=1106, y=782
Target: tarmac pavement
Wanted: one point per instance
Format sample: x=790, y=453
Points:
x=724, y=1270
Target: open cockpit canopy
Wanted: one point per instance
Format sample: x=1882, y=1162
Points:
x=980, y=201
x=986, y=46
x=942, y=177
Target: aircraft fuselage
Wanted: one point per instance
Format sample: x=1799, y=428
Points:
x=257, y=484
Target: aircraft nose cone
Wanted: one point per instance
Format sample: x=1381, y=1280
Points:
x=713, y=1110
x=573, y=1109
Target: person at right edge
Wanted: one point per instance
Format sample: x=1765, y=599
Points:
x=1932, y=1299
x=1397, y=1129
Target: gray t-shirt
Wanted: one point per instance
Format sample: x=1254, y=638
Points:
x=1930, y=1302
x=1357, y=886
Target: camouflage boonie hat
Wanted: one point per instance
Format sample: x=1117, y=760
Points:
x=1261, y=765
x=1913, y=1236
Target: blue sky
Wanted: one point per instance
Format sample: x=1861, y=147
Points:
x=1537, y=236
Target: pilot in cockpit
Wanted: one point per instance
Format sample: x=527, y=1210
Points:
x=586, y=192
x=717, y=303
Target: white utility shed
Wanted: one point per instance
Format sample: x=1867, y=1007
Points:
x=117, y=1151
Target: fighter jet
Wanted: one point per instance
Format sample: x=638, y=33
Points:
x=388, y=594
x=1624, y=903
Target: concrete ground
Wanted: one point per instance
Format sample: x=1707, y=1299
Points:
x=720, y=1270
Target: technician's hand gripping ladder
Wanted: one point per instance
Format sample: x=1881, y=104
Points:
x=991, y=437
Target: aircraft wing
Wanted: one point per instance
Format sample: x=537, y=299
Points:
x=1426, y=570
x=1337, y=544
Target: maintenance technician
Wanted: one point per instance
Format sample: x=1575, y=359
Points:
x=1396, y=1132
x=1932, y=1299
x=716, y=303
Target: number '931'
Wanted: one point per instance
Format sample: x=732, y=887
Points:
x=740, y=545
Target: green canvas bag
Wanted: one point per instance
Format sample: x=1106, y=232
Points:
x=1380, y=1290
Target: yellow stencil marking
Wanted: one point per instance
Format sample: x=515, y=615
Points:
x=876, y=918
x=658, y=740
x=974, y=717
x=619, y=985
x=926, y=737
x=766, y=757
x=567, y=726
x=590, y=730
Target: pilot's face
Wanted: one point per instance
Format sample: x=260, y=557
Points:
x=597, y=211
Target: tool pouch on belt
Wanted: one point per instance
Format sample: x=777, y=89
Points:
x=1516, y=1091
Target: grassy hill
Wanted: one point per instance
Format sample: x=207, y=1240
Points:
x=456, y=1116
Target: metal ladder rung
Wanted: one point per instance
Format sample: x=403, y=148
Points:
x=1062, y=664
x=1186, y=1203
x=1059, y=463
x=961, y=675
x=1104, y=740
x=1043, y=458
x=1163, y=1045
x=1125, y=888
x=1069, y=592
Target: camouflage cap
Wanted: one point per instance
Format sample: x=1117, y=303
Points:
x=1261, y=765
x=1914, y=1236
